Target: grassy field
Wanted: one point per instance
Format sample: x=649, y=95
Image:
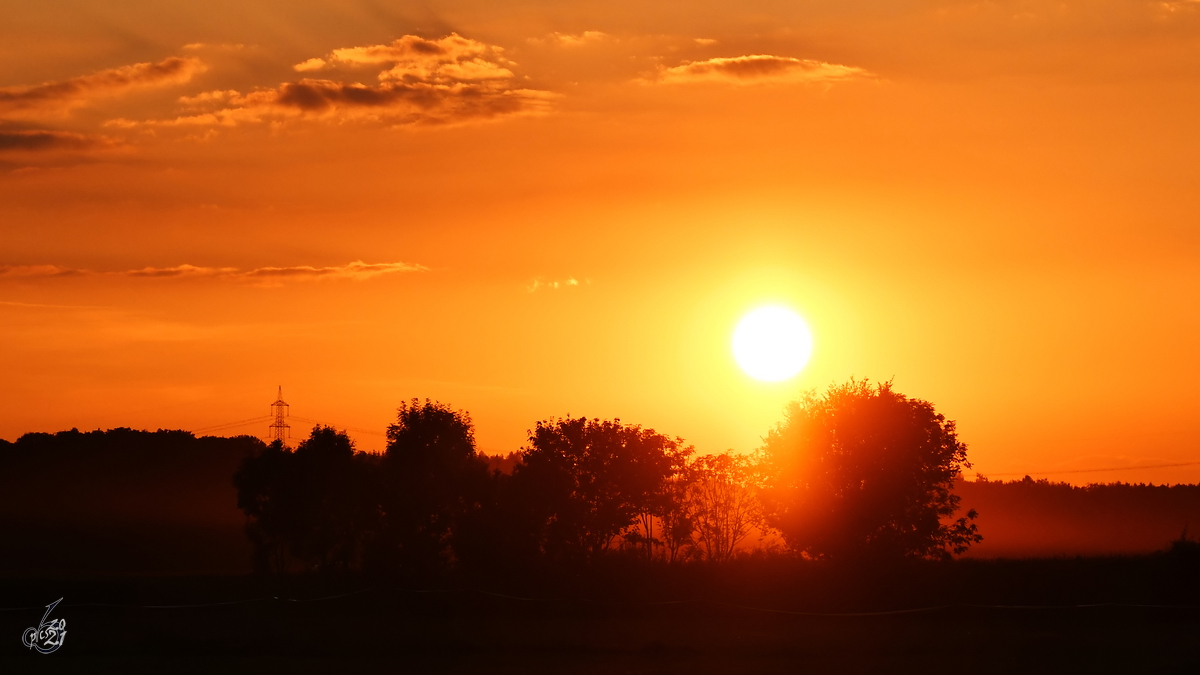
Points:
x=736, y=625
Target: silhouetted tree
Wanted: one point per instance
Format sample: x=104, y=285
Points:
x=499, y=540
x=265, y=492
x=657, y=492
x=867, y=472
x=340, y=497
x=433, y=477
x=316, y=504
x=1185, y=550
x=722, y=502
x=586, y=481
x=677, y=522
x=502, y=463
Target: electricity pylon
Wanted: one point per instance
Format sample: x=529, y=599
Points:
x=280, y=430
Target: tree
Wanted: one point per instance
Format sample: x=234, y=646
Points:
x=864, y=471
x=264, y=495
x=678, y=525
x=433, y=477
x=315, y=504
x=589, y=480
x=722, y=503
x=338, y=499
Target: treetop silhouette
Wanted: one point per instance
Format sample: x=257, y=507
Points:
x=722, y=502
x=589, y=480
x=433, y=477
x=863, y=471
x=314, y=505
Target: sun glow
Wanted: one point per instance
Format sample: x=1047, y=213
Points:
x=772, y=344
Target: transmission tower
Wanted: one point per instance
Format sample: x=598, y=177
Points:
x=280, y=430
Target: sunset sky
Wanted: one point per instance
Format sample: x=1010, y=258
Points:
x=535, y=209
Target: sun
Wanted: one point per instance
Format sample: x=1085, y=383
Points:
x=772, y=343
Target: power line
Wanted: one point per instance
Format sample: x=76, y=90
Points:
x=339, y=426
x=1113, y=468
x=232, y=424
x=279, y=428
x=264, y=418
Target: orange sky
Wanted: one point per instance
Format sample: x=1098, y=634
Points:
x=531, y=209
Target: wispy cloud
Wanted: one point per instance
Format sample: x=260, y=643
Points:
x=42, y=140
x=58, y=98
x=587, y=37
x=24, y=271
x=355, y=271
x=1176, y=6
x=420, y=82
x=756, y=69
x=42, y=305
x=358, y=271
x=540, y=284
x=213, y=46
x=24, y=109
x=207, y=99
x=451, y=58
x=180, y=271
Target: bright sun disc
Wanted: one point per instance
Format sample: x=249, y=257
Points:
x=772, y=344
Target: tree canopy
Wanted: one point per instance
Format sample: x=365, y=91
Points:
x=722, y=502
x=589, y=480
x=864, y=471
x=314, y=504
x=861, y=471
x=433, y=477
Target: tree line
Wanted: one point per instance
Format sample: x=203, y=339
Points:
x=858, y=472
x=1028, y=517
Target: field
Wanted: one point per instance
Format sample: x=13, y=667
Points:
x=1065, y=615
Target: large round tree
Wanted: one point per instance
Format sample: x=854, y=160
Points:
x=866, y=472
x=433, y=476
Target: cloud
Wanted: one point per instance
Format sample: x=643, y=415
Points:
x=311, y=65
x=60, y=97
x=42, y=305
x=758, y=68
x=445, y=81
x=14, y=271
x=356, y=271
x=555, y=284
x=396, y=103
x=44, y=140
x=415, y=57
x=180, y=271
x=207, y=99
x=405, y=103
x=585, y=38
x=222, y=46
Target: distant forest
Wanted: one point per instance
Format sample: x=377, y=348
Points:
x=122, y=502
x=1025, y=518
x=133, y=502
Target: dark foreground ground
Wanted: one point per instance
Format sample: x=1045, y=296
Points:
x=1144, y=619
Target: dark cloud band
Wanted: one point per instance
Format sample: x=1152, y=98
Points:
x=357, y=271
